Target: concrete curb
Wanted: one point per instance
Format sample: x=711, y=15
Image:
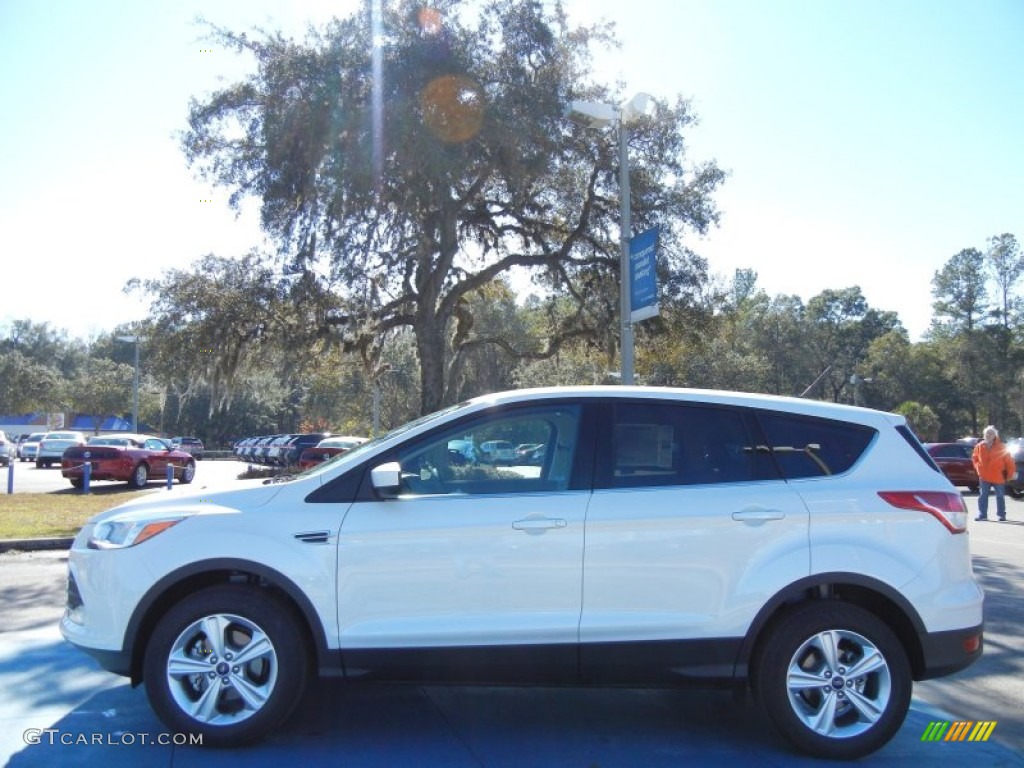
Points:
x=34, y=545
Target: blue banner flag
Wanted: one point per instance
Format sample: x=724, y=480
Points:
x=643, y=277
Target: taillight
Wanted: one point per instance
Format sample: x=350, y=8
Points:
x=947, y=508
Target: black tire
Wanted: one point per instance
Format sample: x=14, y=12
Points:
x=188, y=473
x=77, y=482
x=974, y=489
x=139, y=476
x=39, y=464
x=246, y=620
x=825, y=653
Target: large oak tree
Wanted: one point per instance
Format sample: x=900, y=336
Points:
x=408, y=160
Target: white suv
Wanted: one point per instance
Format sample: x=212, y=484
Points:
x=809, y=551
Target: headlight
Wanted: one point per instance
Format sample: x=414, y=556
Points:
x=117, y=535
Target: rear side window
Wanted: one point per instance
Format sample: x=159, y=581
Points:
x=660, y=444
x=811, y=447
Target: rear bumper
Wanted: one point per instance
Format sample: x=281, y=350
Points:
x=944, y=653
x=99, y=471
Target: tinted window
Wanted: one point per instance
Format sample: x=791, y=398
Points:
x=655, y=444
x=433, y=466
x=809, y=447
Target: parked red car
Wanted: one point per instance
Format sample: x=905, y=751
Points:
x=954, y=459
x=134, y=458
x=326, y=448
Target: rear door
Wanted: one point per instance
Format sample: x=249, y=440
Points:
x=691, y=531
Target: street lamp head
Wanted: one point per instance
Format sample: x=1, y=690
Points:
x=637, y=107
x=596, y=114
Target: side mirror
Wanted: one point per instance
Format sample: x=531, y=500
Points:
x=387, y=478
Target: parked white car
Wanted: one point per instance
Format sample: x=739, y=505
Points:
x=30, y=447
x=668, y=538
x=7, y=449
x=497, y=452
x=53, y=445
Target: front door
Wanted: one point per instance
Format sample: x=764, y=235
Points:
x=470, y=555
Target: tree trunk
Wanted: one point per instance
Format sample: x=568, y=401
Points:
x=430, y=346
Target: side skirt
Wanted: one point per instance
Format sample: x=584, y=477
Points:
x=674, y=663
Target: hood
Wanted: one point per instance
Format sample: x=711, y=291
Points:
x=244, y=494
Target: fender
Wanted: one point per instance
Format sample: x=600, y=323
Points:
x=143, y=619
x=820, y=585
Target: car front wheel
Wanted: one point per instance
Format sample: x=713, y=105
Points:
x=834, y=679
x=188, y=473
x=228, y=663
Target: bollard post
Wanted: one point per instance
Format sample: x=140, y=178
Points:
x=86, y=476
x=170, y=475
x=10, y=477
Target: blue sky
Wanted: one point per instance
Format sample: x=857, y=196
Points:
x=867, y=141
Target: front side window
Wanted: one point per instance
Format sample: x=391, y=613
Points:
x=657, y=444
x=478, y=456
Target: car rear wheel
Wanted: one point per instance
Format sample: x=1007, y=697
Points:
x=228, y=663
x=139, y=476
x=834, y=679
x=77, y=482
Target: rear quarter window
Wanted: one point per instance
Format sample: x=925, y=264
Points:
x=805, y=446
x=907, y=434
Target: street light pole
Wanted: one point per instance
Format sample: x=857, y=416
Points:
x=135, y=390
x=598, y=114
x=135, y=380
x=625, y=227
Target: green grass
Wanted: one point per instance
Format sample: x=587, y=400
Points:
x=61, y=513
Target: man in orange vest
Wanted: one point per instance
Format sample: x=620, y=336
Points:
x=995, y=466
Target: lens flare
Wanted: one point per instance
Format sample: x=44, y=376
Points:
x=453, y=108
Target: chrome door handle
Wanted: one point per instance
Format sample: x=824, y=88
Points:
x=758, y=515
x=532, y=524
